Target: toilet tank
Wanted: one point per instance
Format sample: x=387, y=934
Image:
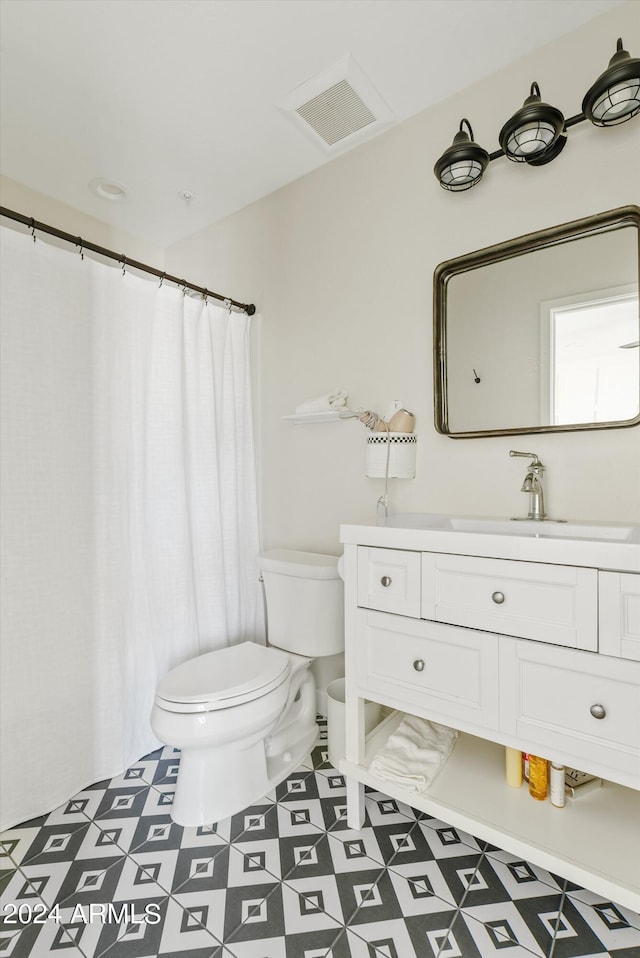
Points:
x=305, y=602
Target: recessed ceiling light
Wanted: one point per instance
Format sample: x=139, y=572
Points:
x=108, y=189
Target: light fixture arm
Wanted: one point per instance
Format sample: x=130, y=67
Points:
x=468, y=126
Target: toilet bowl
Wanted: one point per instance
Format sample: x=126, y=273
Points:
x=224, y=711
x=243, y=717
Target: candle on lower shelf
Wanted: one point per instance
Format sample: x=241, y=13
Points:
x=513, y=767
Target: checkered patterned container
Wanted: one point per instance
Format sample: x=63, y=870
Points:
x=401, y=450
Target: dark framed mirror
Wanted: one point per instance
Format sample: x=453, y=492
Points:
x=541, y=333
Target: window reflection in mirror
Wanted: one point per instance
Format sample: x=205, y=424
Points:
x=593, y=369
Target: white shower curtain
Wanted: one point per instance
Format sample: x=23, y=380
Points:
x=129, y=510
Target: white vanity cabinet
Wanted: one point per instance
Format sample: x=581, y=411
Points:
x=511, y=643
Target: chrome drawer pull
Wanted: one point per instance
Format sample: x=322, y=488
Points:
x=498, y=597
x=418, y=665
x=385, y=581
x=598, y=711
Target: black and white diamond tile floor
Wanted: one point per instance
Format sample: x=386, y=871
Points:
x=109, y=875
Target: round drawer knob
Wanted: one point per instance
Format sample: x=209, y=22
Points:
x=418, y=665
x=598, y=711
x=498, y=597
x=385, y=581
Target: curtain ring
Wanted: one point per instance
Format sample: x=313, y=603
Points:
x=33, y=229
x=205, y=293
x=79, y=243
x=227, y=303
x=162, y=280
x=124, y=265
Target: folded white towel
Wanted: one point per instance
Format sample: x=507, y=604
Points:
x=335, y=399
x=414, y=753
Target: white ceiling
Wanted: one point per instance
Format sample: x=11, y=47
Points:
x=166, y=96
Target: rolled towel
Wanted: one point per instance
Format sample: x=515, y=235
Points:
x=414, y=753
x=335, y=399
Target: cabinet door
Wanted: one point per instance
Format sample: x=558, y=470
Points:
x=389, y=580
x=620, y=614
x=532, y=600
x=441, y=673
x=580, y=708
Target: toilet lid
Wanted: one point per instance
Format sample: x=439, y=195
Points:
x=220, y=679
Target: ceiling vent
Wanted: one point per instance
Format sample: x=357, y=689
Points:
x=338, y=108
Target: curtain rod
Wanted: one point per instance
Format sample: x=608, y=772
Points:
x=34, y=225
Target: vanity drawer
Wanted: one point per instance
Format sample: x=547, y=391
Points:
x=442, y=673
x=532, y=600
x=620, y=614
x=389, y=580
x=573, y=705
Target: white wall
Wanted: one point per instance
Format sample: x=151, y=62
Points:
x=340, y=264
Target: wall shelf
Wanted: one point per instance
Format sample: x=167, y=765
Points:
x=328, y=415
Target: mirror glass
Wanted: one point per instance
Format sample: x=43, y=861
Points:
x=541, y=333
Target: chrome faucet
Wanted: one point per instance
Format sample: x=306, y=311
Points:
x=533, y=485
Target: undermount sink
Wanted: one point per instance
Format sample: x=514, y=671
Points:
x=531, y=528
x=545, y=527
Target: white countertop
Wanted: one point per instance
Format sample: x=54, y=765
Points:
x=611, y=546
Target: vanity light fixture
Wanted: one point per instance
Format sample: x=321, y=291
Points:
x=537, y=132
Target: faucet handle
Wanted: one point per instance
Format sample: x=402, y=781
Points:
x=527, y=455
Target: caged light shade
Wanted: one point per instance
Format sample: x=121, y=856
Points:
x=615, y=96
x=462, y=165
x=535, y=133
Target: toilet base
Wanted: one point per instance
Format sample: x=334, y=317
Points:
x=279, y=766
x=218, y=782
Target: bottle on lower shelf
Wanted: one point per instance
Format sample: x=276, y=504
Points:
x=538, y=777
x=556, y=785
x=546, y=779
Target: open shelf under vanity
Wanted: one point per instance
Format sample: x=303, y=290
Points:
x=593, y=841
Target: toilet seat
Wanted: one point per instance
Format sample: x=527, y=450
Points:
x=224, y=678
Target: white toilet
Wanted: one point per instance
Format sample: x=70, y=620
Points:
x=244, y=716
